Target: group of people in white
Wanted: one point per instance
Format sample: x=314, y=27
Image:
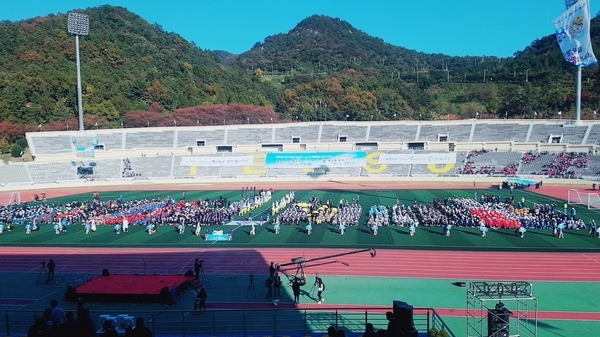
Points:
x=282, y=203
x=246, y=205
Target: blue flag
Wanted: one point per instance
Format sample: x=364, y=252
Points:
x=573, y=34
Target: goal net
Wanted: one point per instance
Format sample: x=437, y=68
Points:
x=593, y=201
x=577, y=197
x=10, y=198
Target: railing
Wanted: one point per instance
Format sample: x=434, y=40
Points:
x=247, y=323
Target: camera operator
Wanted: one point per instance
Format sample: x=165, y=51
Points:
x=197, y=266
x=296, y=290
x=277, y=284
x=51, y=266
x=320, y=289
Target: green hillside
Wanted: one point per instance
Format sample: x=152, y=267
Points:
x=137, y=74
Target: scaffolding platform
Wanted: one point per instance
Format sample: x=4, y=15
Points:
x=501, y=309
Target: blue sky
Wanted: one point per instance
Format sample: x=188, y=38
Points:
x=452, y=27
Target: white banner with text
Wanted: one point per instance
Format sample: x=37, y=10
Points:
x=417, y=159
x=217, y=161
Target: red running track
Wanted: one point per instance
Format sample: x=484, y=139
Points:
x=388, y=263
x=582, y=267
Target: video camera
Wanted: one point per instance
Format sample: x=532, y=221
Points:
x=43, y=263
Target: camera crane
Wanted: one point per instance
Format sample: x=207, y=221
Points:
x=299, y=262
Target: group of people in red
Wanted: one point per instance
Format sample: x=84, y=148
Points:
x=562, y=165
x=494, y=218
x=470, y=167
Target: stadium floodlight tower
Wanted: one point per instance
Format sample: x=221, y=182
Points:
x=79, y=25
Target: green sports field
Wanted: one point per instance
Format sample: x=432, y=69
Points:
x=323, y=235
x=572, y=297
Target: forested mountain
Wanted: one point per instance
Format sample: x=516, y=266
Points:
x=127, y=64
x=362, y=76
x=136, y=73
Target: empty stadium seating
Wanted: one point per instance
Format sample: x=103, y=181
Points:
x=156, y=153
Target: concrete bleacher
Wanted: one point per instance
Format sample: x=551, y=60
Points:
x=195, y=171
x=343, y=171
x=108, y=168
x=494, y=161
x=110, y=140
x=210, y=137
x=156, y=152
x=454, y=132
x=248, y=135
x=540, y=165
x=239, y=171
x=50, y=172
x=152, y=166
x=392, y=170
x=330, y=133
x=570, y=134
x=12, y=174
x=307, y=133
x=149, y=138
x=488, y=132
x=537, y=165
x=50, y=143
x=594, y=135
x=289, y=172
x=393, y=132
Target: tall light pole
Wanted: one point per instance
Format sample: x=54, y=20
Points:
x=527, y=75
x=484, y=75
x=79, y=25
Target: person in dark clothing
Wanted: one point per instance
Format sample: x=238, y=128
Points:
x=51, y=266
x=140, y=329
x=320, y=289
x=269, y=285
x=393, y=328
x=277, y=284
x=108, y=330
x=87, y=325
x=202, y=295
x=197, y=269
x=70, y=328
x=39, y=329
x=369, y=331
x=296, y=290
x=271, y=270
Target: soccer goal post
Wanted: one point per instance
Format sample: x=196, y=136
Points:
x=593, y=201
x=577, y=197
x=10, y=198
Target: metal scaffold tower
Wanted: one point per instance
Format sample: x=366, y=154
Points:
x=501, y=309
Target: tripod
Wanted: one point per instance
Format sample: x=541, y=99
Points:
x=312, y=289
x=43, y=274
x=202, y=275
x=251, y=290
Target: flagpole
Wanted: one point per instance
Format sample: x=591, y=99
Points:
x=578, y=96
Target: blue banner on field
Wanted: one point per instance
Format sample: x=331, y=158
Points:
x=316, y=159
x=217, y=236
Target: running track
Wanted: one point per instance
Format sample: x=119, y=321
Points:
x=388, y=263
